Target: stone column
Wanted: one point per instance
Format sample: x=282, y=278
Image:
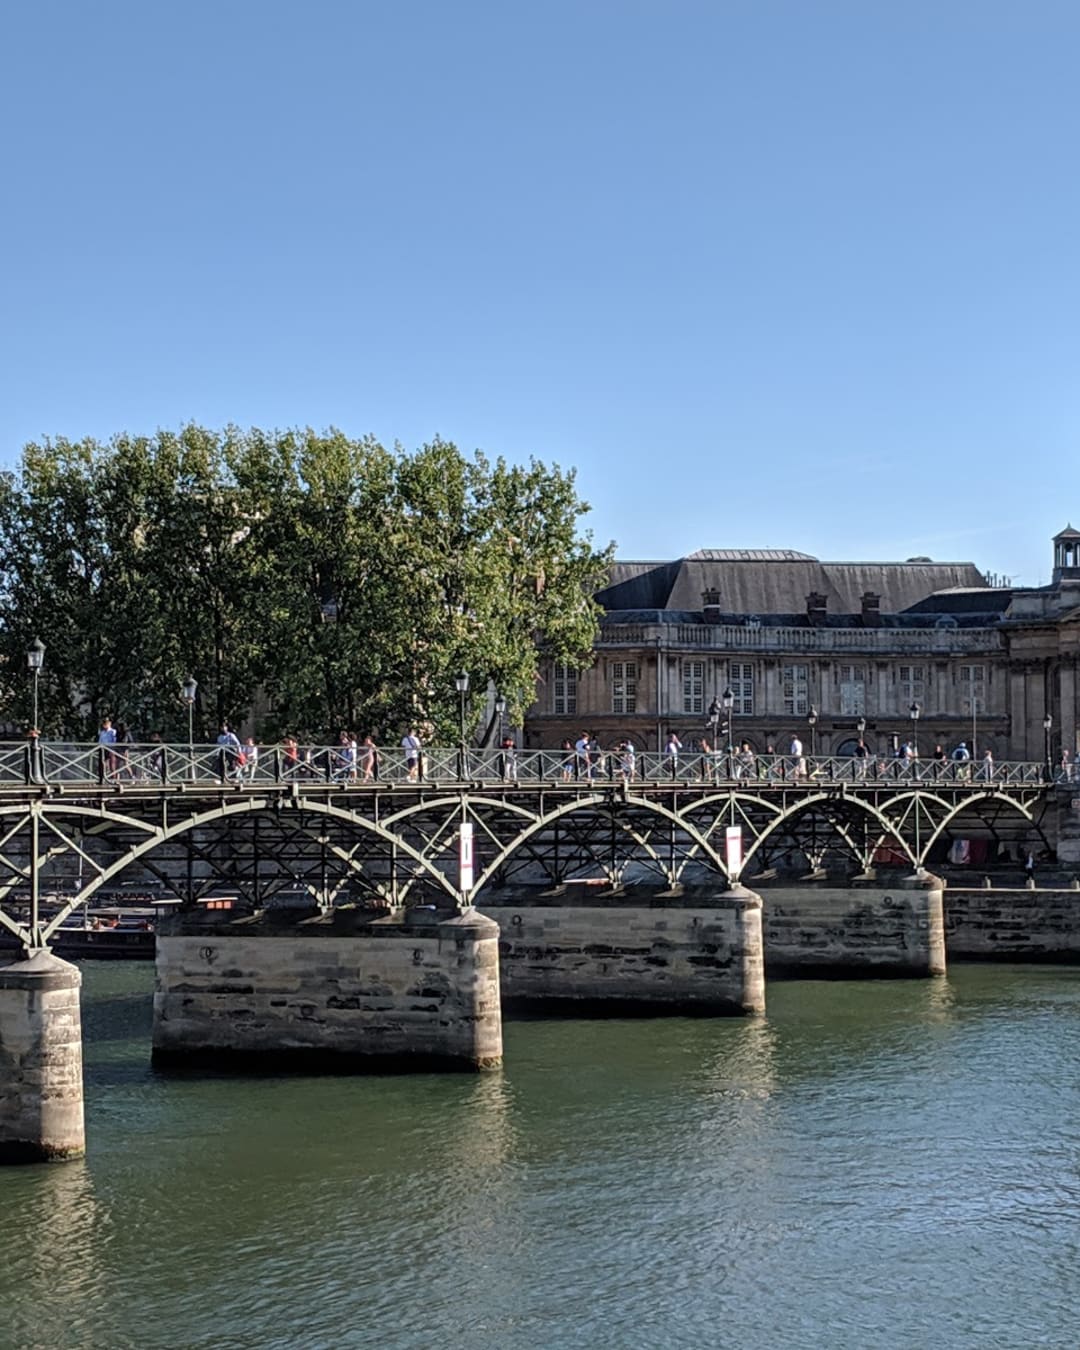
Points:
x=41, y=1089
x=1017, y=710
x=1067, y=684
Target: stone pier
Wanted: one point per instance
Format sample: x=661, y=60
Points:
x=855, y=931
x=41, y=1086
x=307, y=991
x=630, y=951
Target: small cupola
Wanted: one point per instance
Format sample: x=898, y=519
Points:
x=1067, y=555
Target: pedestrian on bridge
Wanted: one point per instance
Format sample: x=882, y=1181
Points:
x=961, y=757
x=367, y=759
x=107, y=738
x=671, y=751
x=413, y=747
x=229, y=754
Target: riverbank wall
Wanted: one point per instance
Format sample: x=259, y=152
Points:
x=1013, y=923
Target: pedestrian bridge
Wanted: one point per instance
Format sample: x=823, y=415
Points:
x=190, y=822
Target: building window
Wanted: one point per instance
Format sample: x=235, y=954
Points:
x=741, y=683
x=973, y=687
x=693, y=686
x=912, y=680
x=852, y=682
x=564, y=693
x=796, y=682
x=623, y=686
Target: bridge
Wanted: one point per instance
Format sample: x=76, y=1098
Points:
x=82, y=821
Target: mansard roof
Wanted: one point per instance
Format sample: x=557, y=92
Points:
x=777, y=581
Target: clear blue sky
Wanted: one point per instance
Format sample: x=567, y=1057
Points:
x=786, y=274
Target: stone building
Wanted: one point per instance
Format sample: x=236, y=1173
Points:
x=916, y=650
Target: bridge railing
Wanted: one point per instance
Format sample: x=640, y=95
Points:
x=155, y=763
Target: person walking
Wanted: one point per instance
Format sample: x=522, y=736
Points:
x=581, y=750
x=671, y=753
x=413, y=748
x=961, y=757
x=107, y=738
x=229, y=754
x=798, y=763
x=367, y=760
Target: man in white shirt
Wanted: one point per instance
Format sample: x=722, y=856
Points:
x=798, y=764
x=411, y=744
x=581, y=750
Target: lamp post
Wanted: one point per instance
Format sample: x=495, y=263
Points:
x=727, y=698
x=914, y=712
x=500, y=710
x=1048, y=722
x=461, y=684
x=714, y=722
x=811, y=718
x=35, y=659
x=187, y=692
x=974, y=725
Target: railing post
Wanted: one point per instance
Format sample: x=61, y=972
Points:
x=101, y=766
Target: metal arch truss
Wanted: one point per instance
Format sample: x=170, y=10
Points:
x=397, y=844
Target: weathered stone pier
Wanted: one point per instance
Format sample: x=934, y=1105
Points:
x=288, y=989
x=41, y=1086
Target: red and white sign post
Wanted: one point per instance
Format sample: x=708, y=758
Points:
x=733, y=842
x=465, y=860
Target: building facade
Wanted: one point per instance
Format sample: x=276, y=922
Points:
x=919, y=651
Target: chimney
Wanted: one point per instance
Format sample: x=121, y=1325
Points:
x=710, y=606
x=816, y=608
x=871, y=610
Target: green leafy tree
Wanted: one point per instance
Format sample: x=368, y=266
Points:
x=308, y=581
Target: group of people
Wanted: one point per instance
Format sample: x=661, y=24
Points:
x=585, y=758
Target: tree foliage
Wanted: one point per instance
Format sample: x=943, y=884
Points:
x=308, y=581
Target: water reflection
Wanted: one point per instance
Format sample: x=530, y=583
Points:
x=54, y=1241
x=864, y=1166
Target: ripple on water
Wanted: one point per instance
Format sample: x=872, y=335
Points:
x=873, y=1165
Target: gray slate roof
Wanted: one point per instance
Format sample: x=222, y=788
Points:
x=777, y=581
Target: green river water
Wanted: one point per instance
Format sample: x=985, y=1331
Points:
x=874, y=1164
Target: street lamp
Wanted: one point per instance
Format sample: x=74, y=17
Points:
x=1048, y=722
x=35, y=659
x=714, y=722
x=461, y=684
x=913, y=712
x=728, y=700
x=974, y=725
x=811, y=717
x=500, y=710
x=187, y=691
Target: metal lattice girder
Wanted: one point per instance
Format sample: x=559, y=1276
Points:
x=392, y=844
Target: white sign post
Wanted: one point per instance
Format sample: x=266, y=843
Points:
x=465, y=859
x=733, y=841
